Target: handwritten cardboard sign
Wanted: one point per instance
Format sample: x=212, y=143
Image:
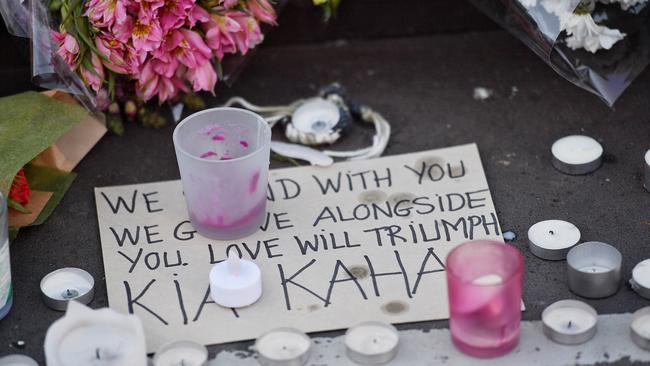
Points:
x=356, y=241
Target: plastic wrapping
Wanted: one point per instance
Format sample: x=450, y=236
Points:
x=600, y=46
x=31, y=19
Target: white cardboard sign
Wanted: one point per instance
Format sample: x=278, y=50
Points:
x=356, y=241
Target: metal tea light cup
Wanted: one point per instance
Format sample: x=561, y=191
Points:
x=223, y=157
x=594, y=269
x=639, y=328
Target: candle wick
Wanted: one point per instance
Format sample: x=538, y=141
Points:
x=570, y=323
x=97, y=353
x=551, y=232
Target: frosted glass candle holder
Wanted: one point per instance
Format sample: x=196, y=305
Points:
x=223, y=158
x=484, y=282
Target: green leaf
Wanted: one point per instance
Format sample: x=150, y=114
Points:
x=111, y=85
x=279, y=157
x=17, y=206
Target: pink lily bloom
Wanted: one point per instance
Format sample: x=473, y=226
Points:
x=173, y=13
x=146, y=35
x=250, y=34
x=68, y=47
x=219, y=34
x=123, y=31
x=262, y=10
x=104, y=13
x=203, y=77
x=188, y=47
x=118, y=55
x=227, y=4
x=95, y=77
x=150, y=84
x=197, y=14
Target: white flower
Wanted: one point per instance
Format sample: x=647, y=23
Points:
x=584, y=33
x=528, y=3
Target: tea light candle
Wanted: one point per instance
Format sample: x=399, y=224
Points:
x=17, y=360
x=646, y=183
x=181, y=353
x=235, y=282
x=640, y=280
x=594, y=269
x=65, y=284
x=101, y=337
x=372, y=343
x=576, y=154
x=283, y=347
x=552, y=239
x=569, y=322
x=640, y=327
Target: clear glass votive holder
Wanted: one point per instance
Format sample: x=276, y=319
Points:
x=484, y=283
x=223, y=157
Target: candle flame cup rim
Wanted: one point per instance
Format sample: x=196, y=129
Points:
x=188, y=119
x=509, y=249
x=574, y=338
x=575, y=251
x=288, y=330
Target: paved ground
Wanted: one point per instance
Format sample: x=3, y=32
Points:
x=424, y=87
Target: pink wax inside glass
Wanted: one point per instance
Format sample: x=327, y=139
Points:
x=223, y=158
x=484, y=282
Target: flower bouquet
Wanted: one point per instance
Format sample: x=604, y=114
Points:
x=599, y=45
x=134, y=51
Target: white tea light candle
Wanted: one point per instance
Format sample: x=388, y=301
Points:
x=101, y=337
x=283, y=347
x=594, y=269
x=576, y=154
x=640, y=280
x=488, y=280
x=372, y=343
x=640, y=327
x=552, y=239
x=181, y=353
x=17, y=360
x=65, y=284
x=569, y=322
x=235, y=283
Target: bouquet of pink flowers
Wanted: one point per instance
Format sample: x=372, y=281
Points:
x=161, y=47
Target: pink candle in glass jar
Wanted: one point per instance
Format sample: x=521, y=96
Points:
x=484, y=282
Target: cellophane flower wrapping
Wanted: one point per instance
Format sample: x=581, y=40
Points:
x=103, y=50
x=599, y=45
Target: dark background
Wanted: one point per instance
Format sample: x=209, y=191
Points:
x=417, y=63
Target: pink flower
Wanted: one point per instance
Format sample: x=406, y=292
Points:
x=227, y=4
x=187, y=47
x=197, y=14
x=93, y=77
x=146, y=35
x=68, y=47
x=203, y=77
x=118, y=56
x=124, y=31
x=250, y=34
x=173, y=13
x=262, y=10
x=219, y=34
x=104, y=13
x=150, y=83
